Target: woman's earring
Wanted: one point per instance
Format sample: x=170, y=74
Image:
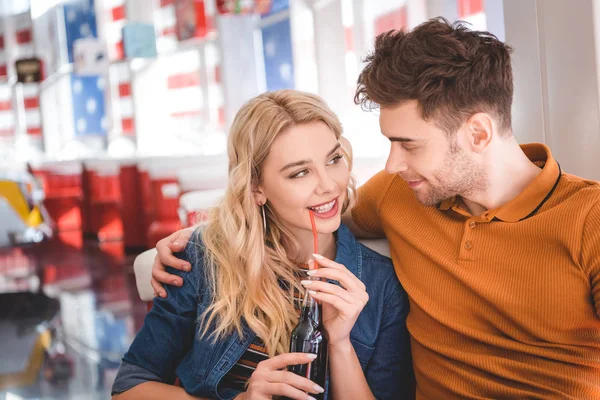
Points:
x=264, y=218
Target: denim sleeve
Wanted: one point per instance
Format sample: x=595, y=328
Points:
x=390, y=371
x=167, y=333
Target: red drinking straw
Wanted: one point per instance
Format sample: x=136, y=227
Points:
x=315, y=237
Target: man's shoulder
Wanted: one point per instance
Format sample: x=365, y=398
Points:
x=586, y=191
x=575, y=179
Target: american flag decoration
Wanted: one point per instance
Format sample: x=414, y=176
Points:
x=31, y=105
x=123, y=115
x=394, y=19
x=88, y=105
x=210, y=10
x=216, y=103
x=165, y=22
x=7, y=117
x=27, y=99
x=80, y=22
x=277, y=46
x=472, y=11
x=114, y=15
x=23, y=27
x=185, y=96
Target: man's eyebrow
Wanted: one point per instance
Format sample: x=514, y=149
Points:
x=400, y=139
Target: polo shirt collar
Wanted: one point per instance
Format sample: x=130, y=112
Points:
x=534, y=195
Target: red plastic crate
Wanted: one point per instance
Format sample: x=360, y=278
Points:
x=63, y=195
x=134, y=230
x=165, y=196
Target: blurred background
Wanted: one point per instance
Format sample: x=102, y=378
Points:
x=113, y=129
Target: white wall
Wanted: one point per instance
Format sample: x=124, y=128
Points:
x=557, y=100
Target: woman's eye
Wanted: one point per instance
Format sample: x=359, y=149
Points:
x=336, y=159
x=299, y=174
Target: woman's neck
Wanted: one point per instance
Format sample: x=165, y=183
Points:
x=327, y=246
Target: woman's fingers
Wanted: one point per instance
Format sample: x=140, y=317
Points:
x=330, y=288
x=281, y=389
x=272, y=379
x=283, y=360
x=346, y=279
x=342, y=274
x=335, y=301
x=296, y=381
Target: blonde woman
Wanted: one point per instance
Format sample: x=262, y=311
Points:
x=225, y=331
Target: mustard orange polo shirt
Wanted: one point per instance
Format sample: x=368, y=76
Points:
x=504, y=304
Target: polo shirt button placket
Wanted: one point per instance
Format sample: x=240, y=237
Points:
x=466, y=244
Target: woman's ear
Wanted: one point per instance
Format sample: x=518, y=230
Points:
x=259, y=196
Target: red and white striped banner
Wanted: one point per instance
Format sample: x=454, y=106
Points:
x=124, y=112
x=216, y=103
x=469, y=7
x=185, y=96
x=7, y=117
x=164, y=23
x=114, y=19
x=31, y=105
x=395, y=19
x=23, y=28
x=473, y=12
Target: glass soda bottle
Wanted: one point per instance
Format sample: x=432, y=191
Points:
x=309, y=337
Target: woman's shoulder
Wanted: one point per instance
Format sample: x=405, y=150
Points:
x=194, y=254
x=377, y=267
x=373, y=267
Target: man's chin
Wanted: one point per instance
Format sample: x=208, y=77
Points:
x=426, y=200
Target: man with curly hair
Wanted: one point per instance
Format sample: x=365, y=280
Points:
x=497, y=248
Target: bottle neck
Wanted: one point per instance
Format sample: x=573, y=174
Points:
x=310, y=309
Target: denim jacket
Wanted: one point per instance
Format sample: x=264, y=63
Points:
x=168, y=345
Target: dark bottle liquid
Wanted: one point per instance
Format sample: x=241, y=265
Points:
x=309, y=337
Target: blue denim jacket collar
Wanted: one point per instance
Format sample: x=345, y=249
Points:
x=348, y=252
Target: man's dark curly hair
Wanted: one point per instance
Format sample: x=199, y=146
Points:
x=451, y=71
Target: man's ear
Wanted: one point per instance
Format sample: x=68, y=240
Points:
x=479, y=130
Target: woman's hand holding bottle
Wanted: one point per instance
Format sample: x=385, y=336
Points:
x=272, y=379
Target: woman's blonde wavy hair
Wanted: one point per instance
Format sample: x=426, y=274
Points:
x=246, y=266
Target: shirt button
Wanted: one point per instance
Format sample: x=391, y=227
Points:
x=468, y=245
x=472, y=224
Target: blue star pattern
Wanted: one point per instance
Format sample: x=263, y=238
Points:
x=88, y=105
x=279, y=62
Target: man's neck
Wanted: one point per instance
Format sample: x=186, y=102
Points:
x=508, y=172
